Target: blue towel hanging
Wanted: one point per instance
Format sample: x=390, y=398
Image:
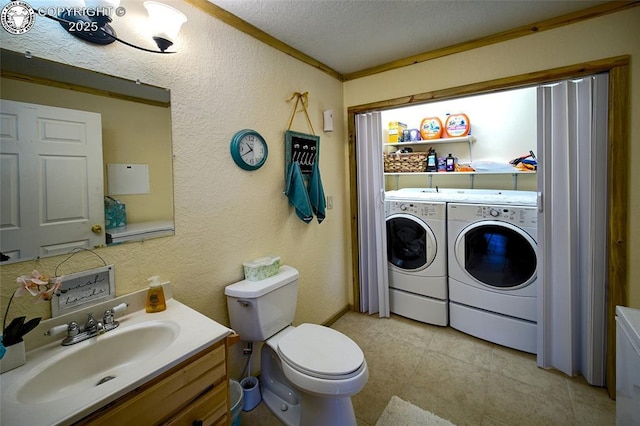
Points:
x=316, y=193
x=297, y=193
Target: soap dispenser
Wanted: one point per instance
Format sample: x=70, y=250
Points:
x=155, y=296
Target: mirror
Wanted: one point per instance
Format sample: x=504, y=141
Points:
x=137, y=162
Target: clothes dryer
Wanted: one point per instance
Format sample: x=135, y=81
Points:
x=492, y=262
x=417, y=256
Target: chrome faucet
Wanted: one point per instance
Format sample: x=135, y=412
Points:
x=91, y=329
x=94, y=327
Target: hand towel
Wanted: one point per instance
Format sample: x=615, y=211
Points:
x=316, y=193
x=297, y=193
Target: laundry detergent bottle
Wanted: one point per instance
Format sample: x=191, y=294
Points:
x=450, y=163
x=457, y=125
x=432, y=161
x=155, y=296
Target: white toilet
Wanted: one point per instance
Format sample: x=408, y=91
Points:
x=309, y=372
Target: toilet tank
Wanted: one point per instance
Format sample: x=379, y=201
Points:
x=260, y=309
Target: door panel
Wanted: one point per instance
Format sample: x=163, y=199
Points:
x=9, y=202
x=64, y=190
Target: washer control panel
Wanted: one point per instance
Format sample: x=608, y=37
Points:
x=524, y=216
x=426, y=210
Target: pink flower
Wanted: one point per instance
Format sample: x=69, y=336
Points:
x=55, y=285
x=38, y=285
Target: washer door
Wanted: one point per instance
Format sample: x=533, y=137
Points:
x=411, y=244
x=497, y=254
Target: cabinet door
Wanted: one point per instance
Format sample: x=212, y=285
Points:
x=210, y=409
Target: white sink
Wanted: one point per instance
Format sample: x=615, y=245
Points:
x=97, y=361
x=62, y=384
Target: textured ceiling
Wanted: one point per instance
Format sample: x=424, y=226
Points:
x=353, y=35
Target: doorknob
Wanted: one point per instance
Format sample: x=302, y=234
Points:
x=96, y=229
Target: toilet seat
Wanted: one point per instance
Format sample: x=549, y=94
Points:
x=321, y=352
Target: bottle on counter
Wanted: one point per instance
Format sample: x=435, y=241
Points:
x=155, y=296
x=450, y=163
x=432, y=161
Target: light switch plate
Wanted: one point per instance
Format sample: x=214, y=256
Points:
x=329, y=202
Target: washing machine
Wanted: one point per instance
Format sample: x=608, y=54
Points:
x=417, y=257
x=492, y=269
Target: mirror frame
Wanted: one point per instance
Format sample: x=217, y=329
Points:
x=25, y=67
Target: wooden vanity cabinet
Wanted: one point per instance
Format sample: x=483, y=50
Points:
x=195, y=392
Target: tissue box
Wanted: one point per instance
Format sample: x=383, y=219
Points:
x=115, y=213
x=261, y=268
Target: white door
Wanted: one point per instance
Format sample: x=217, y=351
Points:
x=572, y=226
x=52, y=180
x=372, y=238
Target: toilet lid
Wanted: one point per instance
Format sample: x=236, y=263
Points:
x=320, y=352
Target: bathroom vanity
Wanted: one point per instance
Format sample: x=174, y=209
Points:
x=192, y=392
x=167, y=367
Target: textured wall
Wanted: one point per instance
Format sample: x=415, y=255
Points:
x=221, y=81
x=604, y=37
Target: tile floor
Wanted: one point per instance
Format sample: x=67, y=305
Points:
x=460, y=378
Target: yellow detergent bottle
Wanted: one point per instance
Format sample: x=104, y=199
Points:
x=155, y=296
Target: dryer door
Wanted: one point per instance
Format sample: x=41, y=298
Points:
x=497, y=254
x=411, y=244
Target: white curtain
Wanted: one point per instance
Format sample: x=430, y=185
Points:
x=572, y=252
x=372, y=241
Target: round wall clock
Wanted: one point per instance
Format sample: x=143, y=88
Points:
x=249, y=149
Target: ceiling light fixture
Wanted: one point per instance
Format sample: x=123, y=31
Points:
x=92, y=23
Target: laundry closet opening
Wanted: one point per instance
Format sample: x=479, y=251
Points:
x=502, y=128
x=523, y=136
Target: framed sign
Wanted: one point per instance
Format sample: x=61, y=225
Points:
x=82, y=288
x=303, y=149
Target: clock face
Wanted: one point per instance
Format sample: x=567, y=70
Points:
x=252, y=150
x=249, y=149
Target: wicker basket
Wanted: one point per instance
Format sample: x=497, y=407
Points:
x=410, y=162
